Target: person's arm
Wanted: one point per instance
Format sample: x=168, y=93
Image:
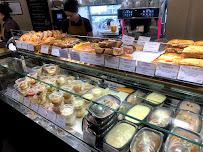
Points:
x=64, y=27
x=88, y=27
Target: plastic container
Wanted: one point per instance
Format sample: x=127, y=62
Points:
x=30, y=94
x=191, y=106
x=30, y=80
x=97, y=92
x=38, y=70
x=88, y=86
x=80, y=112
x=77, y=85
x=51, y=81
x=147, y=139
x=51, y=70
x=22, y=83
x=56, y=98
x=78, y=103
x=41, y=100
x=161, y=117
x=56, y=109
x=69, y=80
x=40, y=90
x=155, y=99
x=101, y=113
x=67, y=111
x=187, y=120
x=124, y=108
x=136, y=97
x=174, y=143
x=67, y=88
x=120, y=136
x=60, y=80
x=139, y=111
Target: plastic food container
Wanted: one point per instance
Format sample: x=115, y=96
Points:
x=87, y=102
x=101, y=113
x=40, y=90
x=51, y=70
x=97, y=92
x=161, y=117
x=139, y=111
x=191, y=106
x=69, y=80
x=67, y=111
x=124, y=108
x=68, y=88
x=121, y=135
x=174, y=143
x=155, y=98
x=80, y=112
x=60, y=79
x=77, y=85
x=33, y=75
x=88, y=86
x=30, y=94
x=187, y=120
x=41, y=100
x=78, y=103
x=56, y=98
x=38, y=70
x=136, y=97
x=22, y=83
x=56, y=109
x=147, y=139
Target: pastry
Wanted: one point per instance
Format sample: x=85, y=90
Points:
x=99, y=50
x=108, y=51
x=118, y=51
x=128, y=49
x=200, y=43
x=118, y=44
x=193, y=52
x=192, y=62
x=179, y=43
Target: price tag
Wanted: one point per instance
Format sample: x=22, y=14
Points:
x=86, y=57
x=24, y=45
x=30, y=47
x=27, y=102
x=9, y=92
x=18, y=44
x=127, y=40
x=127, y=65
x=55, y=51
x=51, y=116
x=108, y=148
x=151, y=47
x=191, y=74
x=98, y=59
x=142, y=39
x=42, y=111
x=34, y=106
x=45, y=49
x=167, y=70
x=112, y=62
x=89, y=138
x=74, y=55
x=60, y=121
x=63, y=53
x=145, y=68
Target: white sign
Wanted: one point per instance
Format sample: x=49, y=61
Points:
x=45, y=49
x=42, y=111
x=108, y=148
x=127, y=40
x=191, y=74
x=60, y=121
x=151, y=47
x=30, y=47
x=24, y=45
x=27, y=102
x=167, y=70
x=127, y=65
x=74, y=55
x=86, y=57
x=89, y=138
x=34, y=106
x=142, y=39
x=63, y=53
x=112, y=62
x=9, y=92
x=51, y=116
x=145, y=68
x=18, y=44
x=55, y=51
x=98, y=59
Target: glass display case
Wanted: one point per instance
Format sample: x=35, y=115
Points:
x=87, y=105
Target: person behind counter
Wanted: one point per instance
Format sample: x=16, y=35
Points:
x=8, y=24
x=75, y=24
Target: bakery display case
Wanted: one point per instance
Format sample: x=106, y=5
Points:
x=87, y=105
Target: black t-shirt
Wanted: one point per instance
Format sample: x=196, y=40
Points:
x=65, y=24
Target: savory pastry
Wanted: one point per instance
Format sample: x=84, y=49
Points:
x=147, y=141
x=99, y=50
x=200, y=43
x=191, y=106
x=193, y=52
x=126, y=56
x=118, y=51
x=107, y=44
x=192, y=62
x=187, y=120
x=108, y=51
x=84, y=47
x=118, y=44
x=128, y=49
x=179, y=43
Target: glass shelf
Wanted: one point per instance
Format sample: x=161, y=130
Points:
x=14, y=98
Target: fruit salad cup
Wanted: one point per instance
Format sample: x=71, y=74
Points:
x=38, y=70
x=67, y=96
x=33, y=75
x=44, y=67
x=56, y=98
x=22, y=83
x=41, y=100
x=31, y=94
x=49, y=80
x=60, y=80
x=69, y=80
x=51, y=70
x=40, y=90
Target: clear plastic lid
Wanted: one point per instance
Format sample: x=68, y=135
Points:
x=155, y=98
x=60, y=79
x=136, y=97
x=22, y=83
x=191, y=106
x=67, y=110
